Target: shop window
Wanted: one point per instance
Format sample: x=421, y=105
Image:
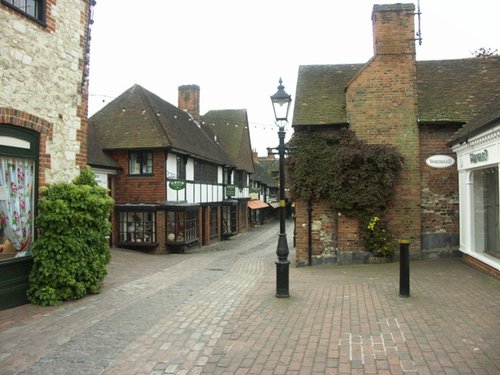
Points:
x=214, y=227
x=182, y=226
x=486, y=212
x=18, y=180
x=31, y=8
x=140, y=163
x=137, y=227
x=229, y=219
x=16, y=206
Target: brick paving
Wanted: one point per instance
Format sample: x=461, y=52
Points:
x=213, y=311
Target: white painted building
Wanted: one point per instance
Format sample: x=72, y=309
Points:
x=477, y=146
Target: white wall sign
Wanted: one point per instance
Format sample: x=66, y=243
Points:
x=440, y=161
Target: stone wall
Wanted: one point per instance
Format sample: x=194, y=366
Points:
x=41, y=73
x=440, y=201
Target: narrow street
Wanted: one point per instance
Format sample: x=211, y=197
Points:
x=169, y=307
x=214, y=311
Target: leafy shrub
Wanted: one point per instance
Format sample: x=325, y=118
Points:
x=357, y=178
x=72, y=251
x=377, y=238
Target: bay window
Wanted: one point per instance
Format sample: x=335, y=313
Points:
x=182, y=225
x=137, y=227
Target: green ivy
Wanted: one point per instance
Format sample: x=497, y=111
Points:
x=71, y=252
x=357, y=178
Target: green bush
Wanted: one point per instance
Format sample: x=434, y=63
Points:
x=71, y=252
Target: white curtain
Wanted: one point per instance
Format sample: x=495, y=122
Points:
x=16, y=181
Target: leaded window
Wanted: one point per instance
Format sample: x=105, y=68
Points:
x=140, y=163
x=137, y=227
x=205, y=172
x=32, y=8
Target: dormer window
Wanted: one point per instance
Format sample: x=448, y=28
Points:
x=32, y=8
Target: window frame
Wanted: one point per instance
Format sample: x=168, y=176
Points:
x=143, y=232
x=214, y=222
x=32, y=138
x=182, y=223
x=39, y=15
x=205, y=172
x=140, y=160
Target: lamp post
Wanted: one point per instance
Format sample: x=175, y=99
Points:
x=281, y=104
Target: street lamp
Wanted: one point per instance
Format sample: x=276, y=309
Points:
x=281, y=104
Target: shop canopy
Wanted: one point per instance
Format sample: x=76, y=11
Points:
x=255, y=204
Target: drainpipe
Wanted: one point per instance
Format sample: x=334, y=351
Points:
x=309, y=231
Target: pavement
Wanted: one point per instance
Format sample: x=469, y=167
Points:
x=214, y=311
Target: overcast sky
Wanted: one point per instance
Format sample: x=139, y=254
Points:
x=237, y=50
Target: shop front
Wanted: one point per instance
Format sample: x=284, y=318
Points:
x=478, y=163
x=18, y=181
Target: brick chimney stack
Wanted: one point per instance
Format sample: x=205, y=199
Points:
x=393, y=29
x=189, y=100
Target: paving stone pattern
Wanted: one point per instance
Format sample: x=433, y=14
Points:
x=213, y=311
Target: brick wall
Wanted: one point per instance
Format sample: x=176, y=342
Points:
x=440, y=200
x=189, y=100
x=324, y=239
x=382, y=105
x=440, y=211
x=140, y=189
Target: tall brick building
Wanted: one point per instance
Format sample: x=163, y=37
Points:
x=44, y=59
x=392, y=99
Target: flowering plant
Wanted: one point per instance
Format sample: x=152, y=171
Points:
x=377, y=238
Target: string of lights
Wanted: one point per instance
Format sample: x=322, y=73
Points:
x=227, y=121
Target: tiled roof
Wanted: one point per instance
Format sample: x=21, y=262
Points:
x=261, y=175
x=448, y=90
x=95, y=156
x=320, y=97
x=230, y=128
x=456, y=90
x=487, y=118
x=139, y=119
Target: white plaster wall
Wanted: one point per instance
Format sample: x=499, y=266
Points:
x=40, y=75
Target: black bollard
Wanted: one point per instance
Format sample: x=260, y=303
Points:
x=404, y=268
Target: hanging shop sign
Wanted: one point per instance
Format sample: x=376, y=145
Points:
x=230, y=191
x=177, y=184
x=440, y=161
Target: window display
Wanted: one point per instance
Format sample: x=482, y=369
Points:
x=137, y=227
x=16, y=202
x=182, y=226
x=486, y=211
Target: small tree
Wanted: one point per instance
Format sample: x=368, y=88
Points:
x=71, y=252
x=484, y=52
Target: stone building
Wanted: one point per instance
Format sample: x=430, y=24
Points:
x=44, y=57
x=393, y=99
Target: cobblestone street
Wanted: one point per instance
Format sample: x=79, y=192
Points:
x=213, y=311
